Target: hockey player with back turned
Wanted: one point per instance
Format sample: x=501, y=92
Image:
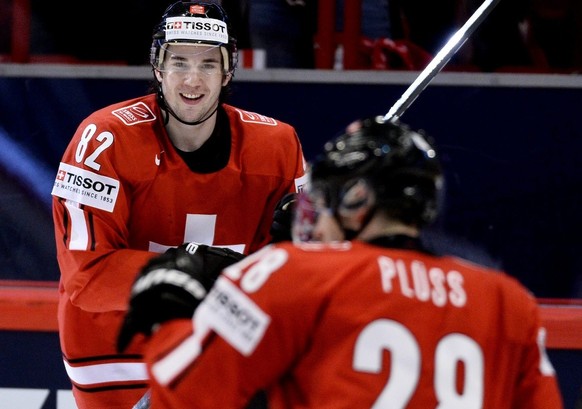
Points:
x=373, y=322
x=146, y=175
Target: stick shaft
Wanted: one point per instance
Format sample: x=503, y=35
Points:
x=144, y=402
x=440, y=60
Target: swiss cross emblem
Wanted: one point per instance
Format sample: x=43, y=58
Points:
x=197, y=9
x=61, y=175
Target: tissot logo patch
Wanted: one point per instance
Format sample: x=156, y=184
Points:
x=234, y=316
x=300, y=183
x=253, y=118
x=196, y=28
x=85, y=187
x=135, y=114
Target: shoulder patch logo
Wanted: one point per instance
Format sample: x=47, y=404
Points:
x=254, y=118
x=86, y=187
x=135, y=114
x=234, y=316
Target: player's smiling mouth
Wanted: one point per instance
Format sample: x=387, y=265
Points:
x=191, y=96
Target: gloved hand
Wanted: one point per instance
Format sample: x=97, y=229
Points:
x=282, y=218
x=172, y=285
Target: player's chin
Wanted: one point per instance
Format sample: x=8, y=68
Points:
x=194, y=113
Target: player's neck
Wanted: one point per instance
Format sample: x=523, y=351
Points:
x=189, y=138
x=378, y=228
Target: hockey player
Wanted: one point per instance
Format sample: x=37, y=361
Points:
x=375, y=322
x=148, y=174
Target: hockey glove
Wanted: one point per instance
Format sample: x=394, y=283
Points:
x=282, y=218
x=172, y=285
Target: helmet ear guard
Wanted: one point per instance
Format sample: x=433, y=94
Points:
x=356, y=204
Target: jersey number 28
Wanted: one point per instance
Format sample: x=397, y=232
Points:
x=385, y=334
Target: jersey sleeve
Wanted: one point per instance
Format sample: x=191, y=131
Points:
x=256, y=137
x=91, y=201
x=537, y=384
x=296, y=168
x=233, y=329
x=300, y=167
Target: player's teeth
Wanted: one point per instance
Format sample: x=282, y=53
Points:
x=192, y=96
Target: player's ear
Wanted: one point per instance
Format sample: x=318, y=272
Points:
x=158, y=75
x=226, y=79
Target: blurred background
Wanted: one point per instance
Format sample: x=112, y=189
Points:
x=518, y=36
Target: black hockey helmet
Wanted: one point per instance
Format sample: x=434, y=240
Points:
x=399, y=166
x=198, y=23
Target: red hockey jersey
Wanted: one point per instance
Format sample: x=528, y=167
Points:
x=122, y=192
x=353, y=325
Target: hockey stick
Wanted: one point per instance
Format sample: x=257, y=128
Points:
x=144, y=402
x=439, y=61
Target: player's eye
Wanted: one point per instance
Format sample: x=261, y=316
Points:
x=209, y=68
x=179, y=65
